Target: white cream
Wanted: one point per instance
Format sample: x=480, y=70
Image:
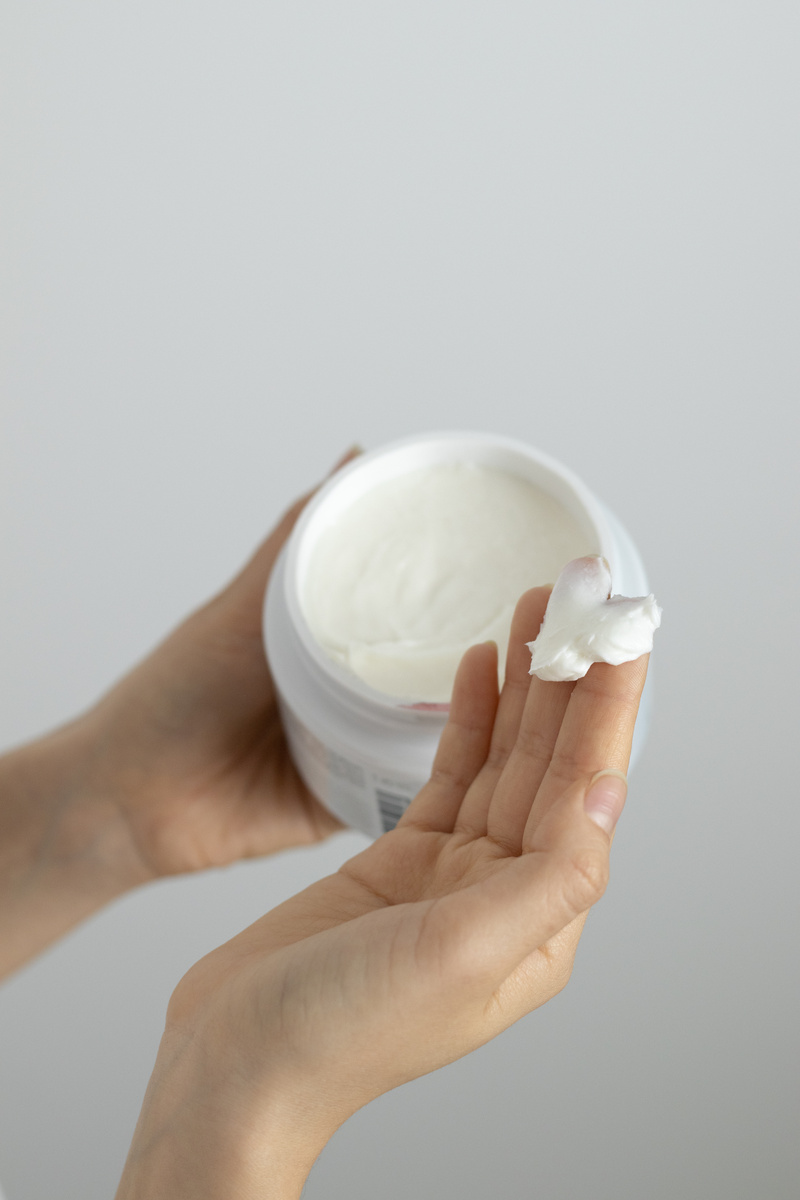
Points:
x=585, y=624
x=427, y=564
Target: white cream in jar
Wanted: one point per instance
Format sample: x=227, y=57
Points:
x=428, y=563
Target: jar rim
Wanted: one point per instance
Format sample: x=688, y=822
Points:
x=401, y=457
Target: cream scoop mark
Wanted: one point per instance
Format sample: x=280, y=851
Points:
x=585, y=624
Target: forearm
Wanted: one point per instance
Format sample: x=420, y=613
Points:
x=64, y=849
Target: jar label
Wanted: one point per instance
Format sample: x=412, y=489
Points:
x=364, y=799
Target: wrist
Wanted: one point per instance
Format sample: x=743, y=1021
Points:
x=64, y=849
x=206, y=1132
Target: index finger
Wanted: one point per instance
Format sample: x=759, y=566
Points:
x=596, y=732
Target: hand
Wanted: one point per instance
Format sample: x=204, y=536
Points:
x=190, y=748
x=183, y=765
x=424, y=946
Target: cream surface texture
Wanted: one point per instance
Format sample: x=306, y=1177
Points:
x=585, y=624
x=427, y=564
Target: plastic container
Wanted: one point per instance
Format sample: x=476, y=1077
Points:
x=364, y=754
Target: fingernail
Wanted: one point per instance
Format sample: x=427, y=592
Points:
x=605, y=798
x=349, y=454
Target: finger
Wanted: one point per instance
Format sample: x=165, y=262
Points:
x=463, y=745
x=495, y=925
x=528, y=761
x=349, y=455
x=525, y=625
x=595, y=735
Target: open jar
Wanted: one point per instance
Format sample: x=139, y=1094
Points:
x=366, y=750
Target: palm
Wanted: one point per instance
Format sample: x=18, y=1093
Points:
x=402, y=879
x=191, y=742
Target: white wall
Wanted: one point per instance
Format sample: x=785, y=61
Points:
x=238, y=237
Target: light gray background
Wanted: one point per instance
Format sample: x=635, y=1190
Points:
x=238, y=237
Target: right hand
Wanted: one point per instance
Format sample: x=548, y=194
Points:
x=427, y=944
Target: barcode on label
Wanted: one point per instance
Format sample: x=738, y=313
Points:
x=392, y=807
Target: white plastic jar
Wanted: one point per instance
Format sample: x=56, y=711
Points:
x=365, y=754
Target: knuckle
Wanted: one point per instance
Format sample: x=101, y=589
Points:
x=585, y=878
x=534, y=744
x=568, y=765
x=451, y=777
x=497, y=757
x=620, y=689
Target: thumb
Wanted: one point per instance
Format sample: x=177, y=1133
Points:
x=248, y=587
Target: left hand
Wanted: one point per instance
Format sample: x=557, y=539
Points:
x=189, y=747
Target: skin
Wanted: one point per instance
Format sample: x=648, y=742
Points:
x=426, y=945
x=191, y=744
x=182, y=766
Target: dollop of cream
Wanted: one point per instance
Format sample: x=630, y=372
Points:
x=585, y=624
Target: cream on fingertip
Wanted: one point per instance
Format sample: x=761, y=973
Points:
x=584, y=623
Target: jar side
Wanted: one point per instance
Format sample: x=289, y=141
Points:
x=365, y=766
